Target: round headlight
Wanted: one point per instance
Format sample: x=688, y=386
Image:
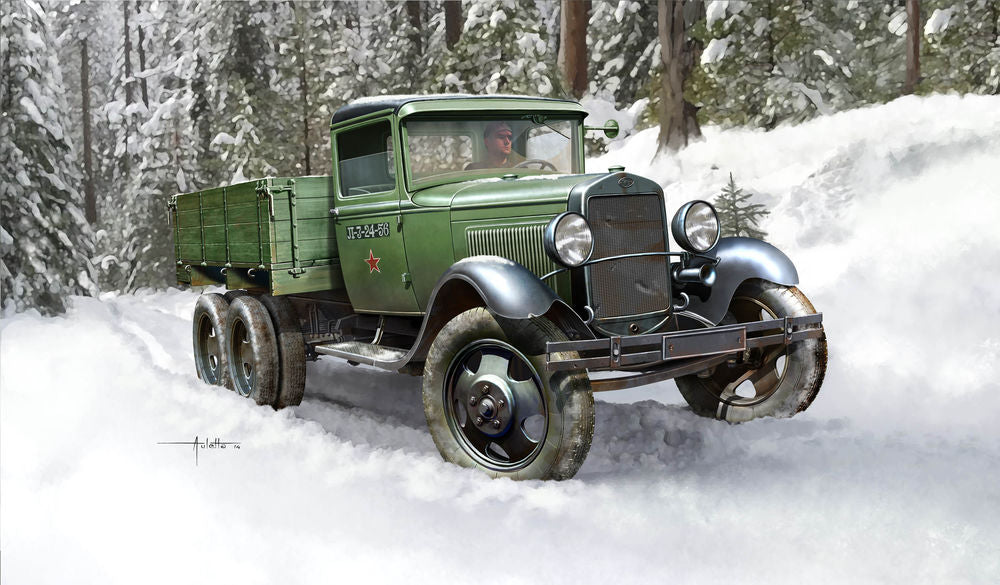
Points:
x=568, y=239
x=696, y=226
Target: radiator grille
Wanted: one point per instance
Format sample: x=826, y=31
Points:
x=520, y=243
x=628, y=225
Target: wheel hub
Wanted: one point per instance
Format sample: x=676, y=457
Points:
x=490, y=392
x=491, y=405
x=487, y=409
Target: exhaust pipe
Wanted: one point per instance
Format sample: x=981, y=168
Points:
x=703, y=275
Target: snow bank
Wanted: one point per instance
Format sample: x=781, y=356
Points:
x=889, y=478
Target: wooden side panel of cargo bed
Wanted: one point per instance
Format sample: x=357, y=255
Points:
x=226, y=225
x=314, y=230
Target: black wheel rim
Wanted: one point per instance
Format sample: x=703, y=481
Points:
x=243, y=365
x=208, y=351
x=495, y=406
x=758, y=376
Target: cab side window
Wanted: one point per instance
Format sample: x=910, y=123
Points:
x=366, y=160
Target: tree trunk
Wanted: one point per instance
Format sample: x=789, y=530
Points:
x=772, y=63
x=128, y=57
x=304, y=95
x=413, y=11
x=90, y=199
x=452, y=22
x=678, y=54
x=995, y=11
x=573, y=44
x=912, y=46
x=142, y=60
x=349, y=20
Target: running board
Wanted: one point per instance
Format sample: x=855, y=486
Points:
x=363, y=353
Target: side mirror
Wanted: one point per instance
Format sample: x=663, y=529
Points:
x=610, y=129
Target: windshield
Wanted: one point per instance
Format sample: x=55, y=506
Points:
x=445, y=150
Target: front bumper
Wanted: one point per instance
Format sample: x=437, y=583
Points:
x=662, y=356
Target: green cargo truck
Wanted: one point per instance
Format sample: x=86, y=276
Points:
x=459, y=239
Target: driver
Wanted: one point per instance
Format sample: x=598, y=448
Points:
x=498, y=140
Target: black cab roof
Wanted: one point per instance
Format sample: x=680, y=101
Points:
x=364, y=106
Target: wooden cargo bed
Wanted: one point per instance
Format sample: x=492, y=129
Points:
x=272, y=235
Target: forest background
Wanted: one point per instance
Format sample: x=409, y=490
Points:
x=109, y=108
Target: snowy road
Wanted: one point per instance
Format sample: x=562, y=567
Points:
x=891, y=477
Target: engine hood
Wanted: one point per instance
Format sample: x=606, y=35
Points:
x=498, y=192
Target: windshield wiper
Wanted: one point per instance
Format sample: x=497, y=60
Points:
x=542, y=120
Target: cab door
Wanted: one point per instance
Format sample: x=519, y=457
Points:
x=369, y=225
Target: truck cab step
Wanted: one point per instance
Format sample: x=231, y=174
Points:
x=362, y=353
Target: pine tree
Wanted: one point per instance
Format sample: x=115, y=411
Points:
x=867, y=45
x=242, y=150
x=325, y=40
x=253, y=112
x=962, y=52
x=121, y=221
x=166, y=156
x=506, y=47
x=737, y=216
x=79, y=23
x=623, y=43
x=241, y=92
x=45, y=240
x=758, y=63
x=134, y=241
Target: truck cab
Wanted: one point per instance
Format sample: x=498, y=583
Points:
x=410, y=178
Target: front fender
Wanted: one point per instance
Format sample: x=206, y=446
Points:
x=504, y=287
x=740, y=259
x=507, y=288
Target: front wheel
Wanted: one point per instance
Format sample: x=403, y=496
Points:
x=491, y=405
x=777, y=380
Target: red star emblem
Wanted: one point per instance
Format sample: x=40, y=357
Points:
x=372, y=263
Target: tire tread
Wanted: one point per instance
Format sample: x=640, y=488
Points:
x=704, y=403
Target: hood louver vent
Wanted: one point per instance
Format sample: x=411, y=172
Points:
x=521, y=243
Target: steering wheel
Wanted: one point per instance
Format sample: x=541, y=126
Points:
x=541, y=162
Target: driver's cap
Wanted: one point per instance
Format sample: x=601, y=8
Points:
x=495, y=127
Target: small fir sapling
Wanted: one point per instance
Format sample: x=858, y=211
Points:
x=737, y=216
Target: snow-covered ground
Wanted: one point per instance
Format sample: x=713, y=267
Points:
x=891, y=215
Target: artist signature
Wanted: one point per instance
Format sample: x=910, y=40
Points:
x=205, y=443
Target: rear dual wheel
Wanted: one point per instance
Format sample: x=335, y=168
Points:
x=291, y=350
x=252, y=350
x=209, y=340
x=250, y=344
